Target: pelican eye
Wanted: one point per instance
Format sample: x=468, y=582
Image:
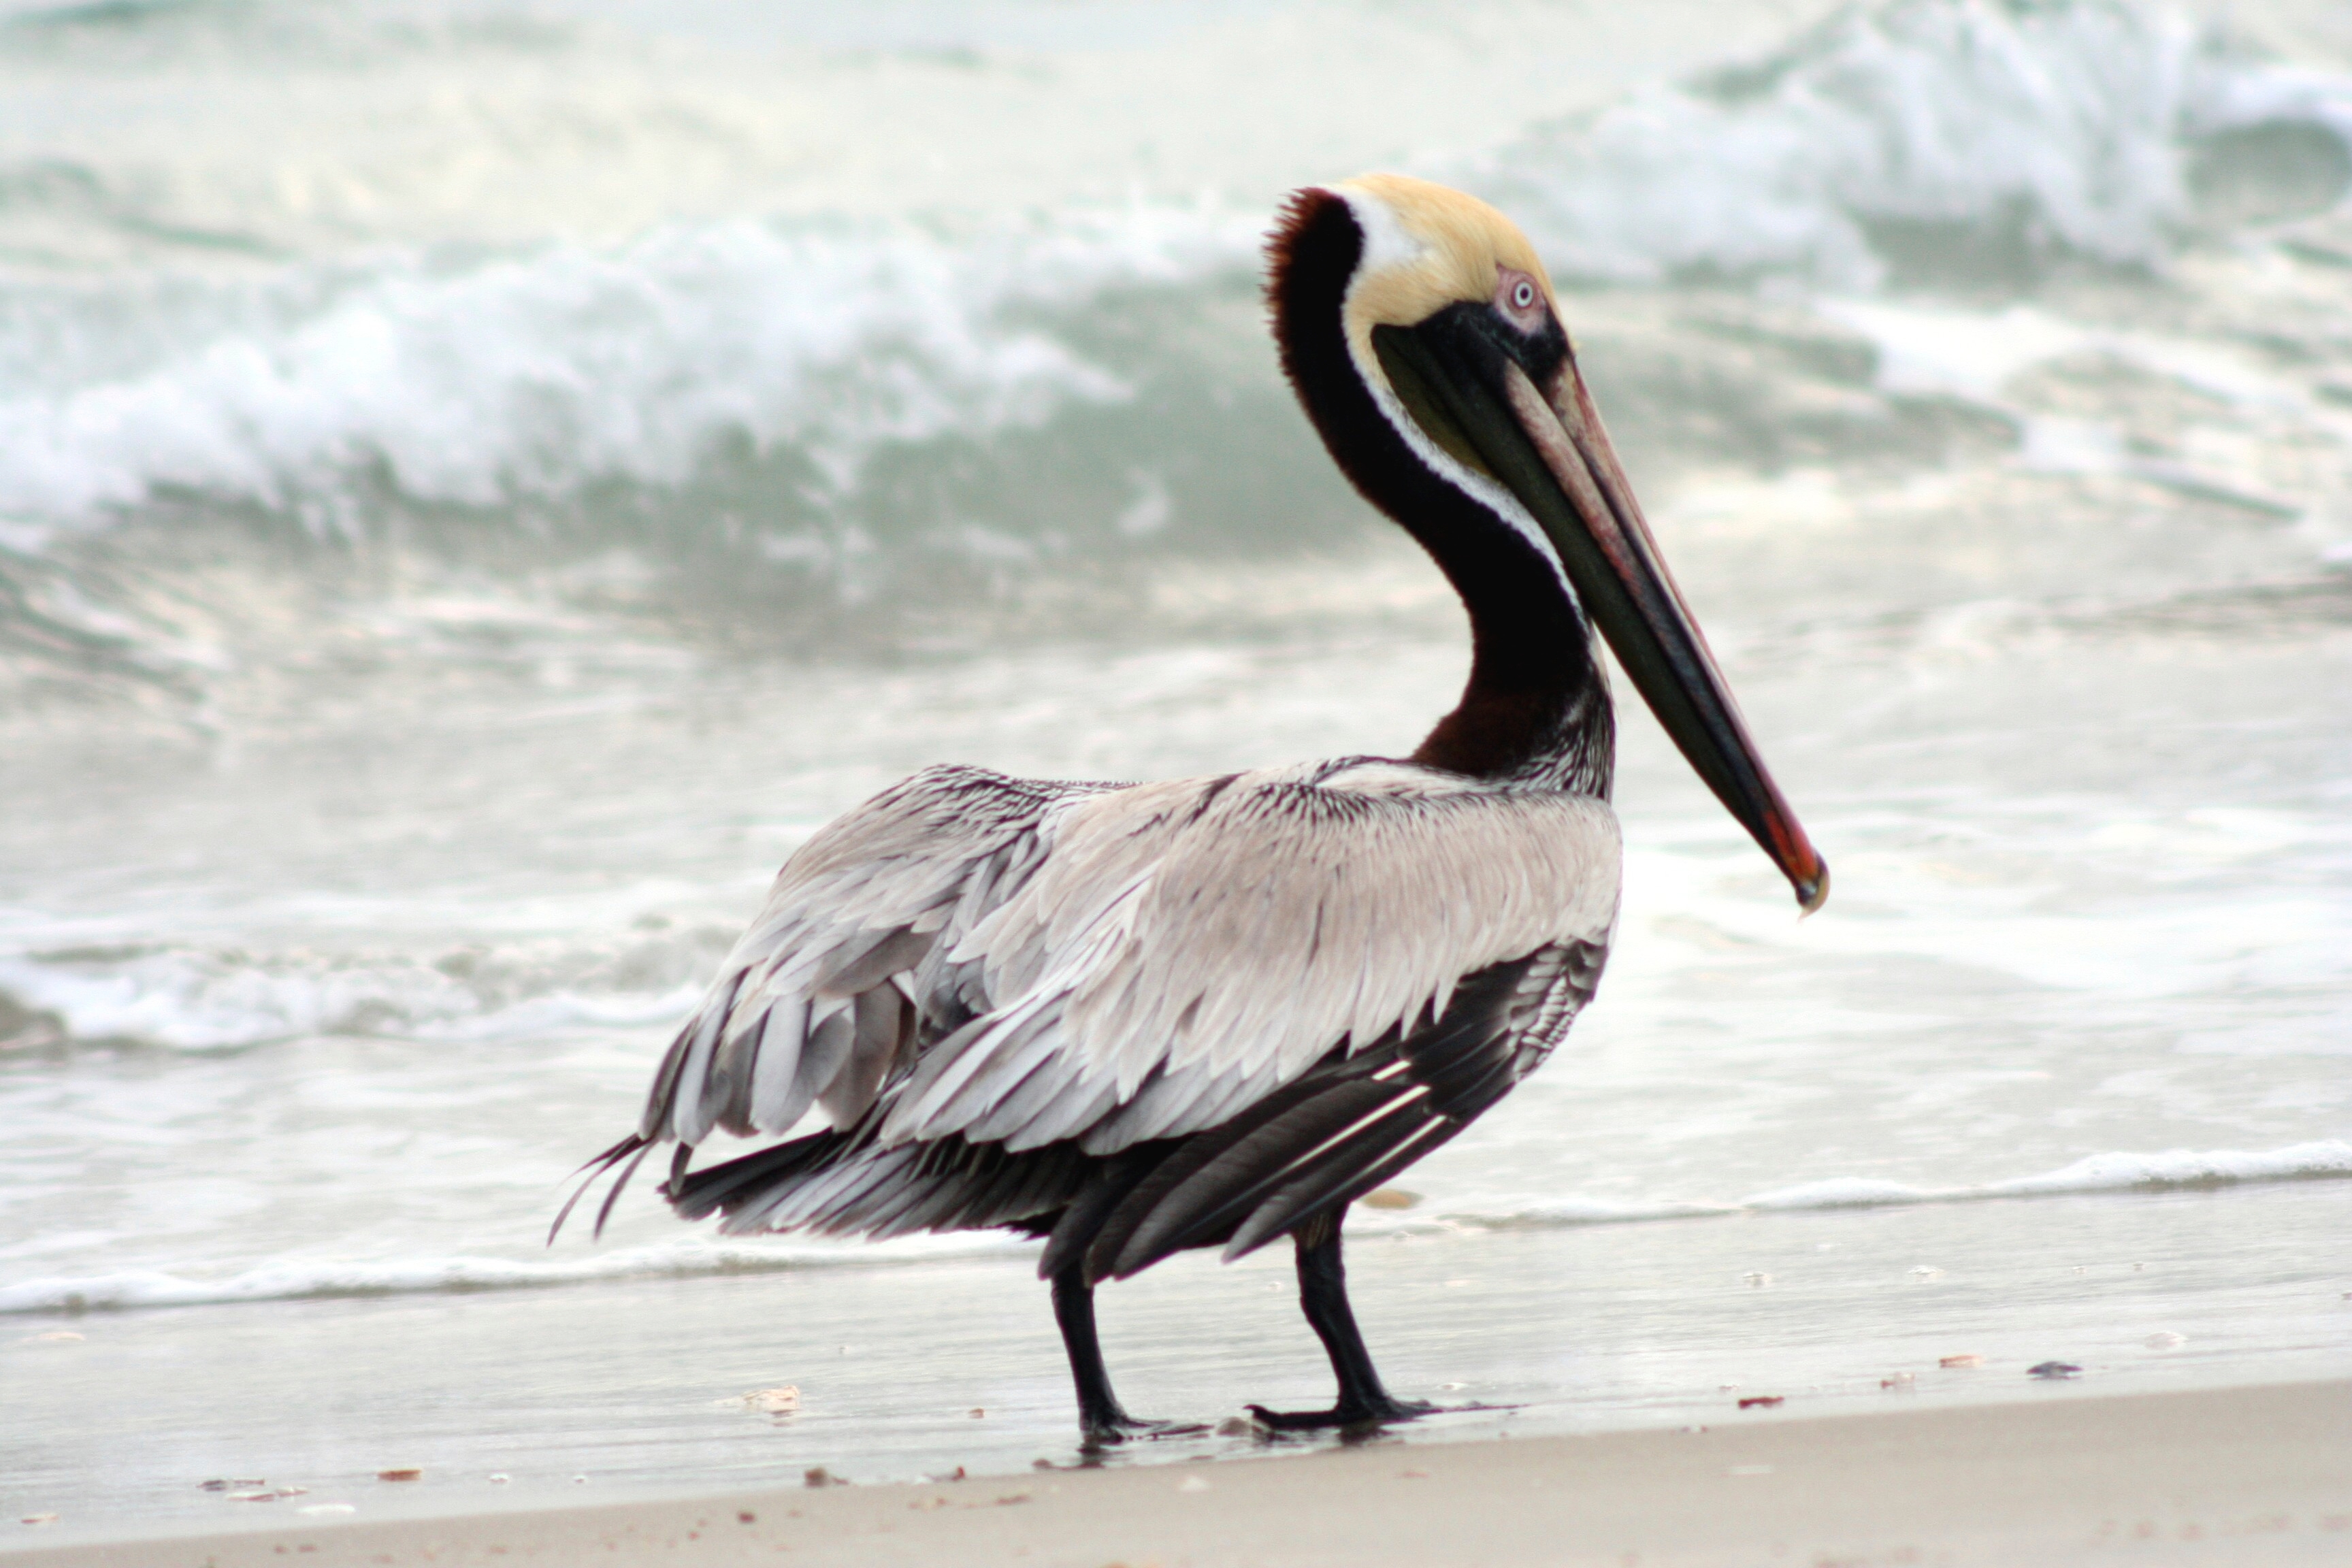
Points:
x=1518, y=299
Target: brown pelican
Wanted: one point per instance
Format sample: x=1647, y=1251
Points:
x=1133, y=1020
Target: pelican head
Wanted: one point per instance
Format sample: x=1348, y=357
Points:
x=1423, y=337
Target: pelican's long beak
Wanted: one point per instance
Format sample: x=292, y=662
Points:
x=1548, y=448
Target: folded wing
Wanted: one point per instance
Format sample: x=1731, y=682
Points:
x=1209, y=1008
x=1186, y=950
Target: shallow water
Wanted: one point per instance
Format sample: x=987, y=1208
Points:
x=426, y=619
x=580, y=1395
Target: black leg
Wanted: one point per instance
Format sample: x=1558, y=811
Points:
x=1101, y=1418
x=1323, y=1297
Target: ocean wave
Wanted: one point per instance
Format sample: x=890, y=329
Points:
x=529, y=378
x=309, y=1279
x=1951, y=136
x=829, y=434
x=1564, y=1213
x=2325, y=1160
x=700, y=352
x=2320, y=1160
x=2121, y=1171
x=200, y=999
x=298, y=1279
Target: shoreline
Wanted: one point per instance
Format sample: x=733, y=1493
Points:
x=2251, y=1475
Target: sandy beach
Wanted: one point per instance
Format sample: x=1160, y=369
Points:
x=2233, y=1476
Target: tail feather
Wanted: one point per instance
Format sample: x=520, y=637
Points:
x=841, y=1185
x=632, y=1144
x=717, y=1187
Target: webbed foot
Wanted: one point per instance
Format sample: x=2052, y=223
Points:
x=1351, y=1413
x=1110, y=1431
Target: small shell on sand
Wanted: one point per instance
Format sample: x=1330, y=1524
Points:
x=1756, y=1278
x=500, y=1478
x=253, y=1497
x=2165, y=1339
x=1958, y=1362
x=818, y=1476
x=1898, y=1379
x=2054, y=1370
x=1924, y=1273
x=38, y=1519
x=404, y=1474
x=1389, y=1198
x=1763, y=1402
x=781, y=1399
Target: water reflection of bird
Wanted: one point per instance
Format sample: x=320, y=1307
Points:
x=1134, y=1019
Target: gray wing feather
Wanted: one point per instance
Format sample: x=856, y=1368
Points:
x=810, y=1007
x=776, y=1062
x=1019, y=962
x=1186, y=948
x=879, y=1031
x=826, y=1051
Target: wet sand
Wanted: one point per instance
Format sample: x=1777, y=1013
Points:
x=2258, y=1476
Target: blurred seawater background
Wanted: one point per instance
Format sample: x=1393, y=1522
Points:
x=480, y=481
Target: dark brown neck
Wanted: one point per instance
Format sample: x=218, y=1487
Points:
x=1536, y=706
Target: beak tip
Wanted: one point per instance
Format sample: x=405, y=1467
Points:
x=1814, y=891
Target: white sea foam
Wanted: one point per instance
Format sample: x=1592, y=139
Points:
x=2154, y=951
x=1837, y=1192
x=2318, y=1160
x=2187, y=1168
x=1970, y=354
x=1586, y=1211
x=304, y=1278
x=530, y=376
x=1974, y=355
x=2322, y=1160
x=299, y=1279
x=2072, y=122
x=206, y=999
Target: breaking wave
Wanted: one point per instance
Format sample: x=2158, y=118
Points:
x=1950, y=136
x=834, y=401
x=529, y=378
x=193, y=998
